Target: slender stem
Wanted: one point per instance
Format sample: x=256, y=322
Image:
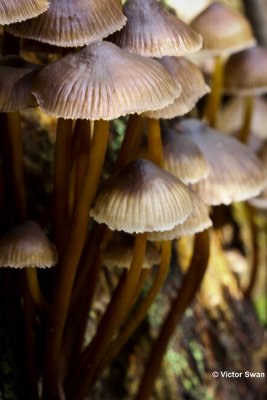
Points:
x=33, y=285
x=70, y=261
x=141, y=310
x=214, y=99
x=111, y=321
x=154, y=141
x=61, y=181
x=190, y=285
x=248, y=111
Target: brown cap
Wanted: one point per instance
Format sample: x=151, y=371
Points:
x=152, y=31
x=119, y=253
x=119, y=83
x=71, y=23
x=197, y=221
x=142, y=198
x=183, y=158
x=235, y=172
x=246, y=72
x=16, y=78
x=223, y=30
x=27, y=246
x=19, y=10
x=193, y=86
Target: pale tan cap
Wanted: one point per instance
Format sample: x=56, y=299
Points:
x=235, y=172
x=142, y=198
x=223, y=30
x=20, y=10
x=16, y=78
x=191, y=79
x=27, y=246
x=152, y=31
x=246, y=72
x=103, y=81
x=71, y=23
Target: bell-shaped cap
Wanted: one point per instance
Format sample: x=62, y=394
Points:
x=27, y=246
x=19, y=10
x=190, y=77
x=142, y=198
x=235, y=172
x=152, y=31
x=103, y=81
x=16, y=78
x=183, y=158
x=119, y=253
x=246, y=72
x=197, y=221
x=71, y=23
x=223, y=30
x=230, y=117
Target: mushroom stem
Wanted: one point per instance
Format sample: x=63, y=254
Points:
x=154, y=141
x=111, y=321
x=33, y=285
x=189, y=287
x=61, y=181
x=68, y=266
x=214, y=99
x=248, y=111
x=141, y=310
x=133, y=130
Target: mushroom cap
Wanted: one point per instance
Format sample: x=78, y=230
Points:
x=142, y=198
x=18, y=10
x=152, y=31
x=103, y=81
x=235, y=171
x=71, y=23
x=230, y=117
x=246, y=72
x=183, y=158
x=223, y=30
x=197, y=221
x=190, y=77
x=119, y=253
x=16, y=78
x=27, y=246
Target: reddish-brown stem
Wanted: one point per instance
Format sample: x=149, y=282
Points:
x=248, y=111
x=214, y=99
x=155, y=149
x=190, y=285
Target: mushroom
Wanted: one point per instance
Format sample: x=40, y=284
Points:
x=18, y=10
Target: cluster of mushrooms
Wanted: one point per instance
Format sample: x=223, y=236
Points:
x=119, y=61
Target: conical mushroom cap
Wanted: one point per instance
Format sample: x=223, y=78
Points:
x=193, y=87
x=142, y=198
x=197, y=221
x=19, y=10
x=246, y=72
x=183, y=158
x=223, y=30
x=27, y=246
x=119, y=253
x=16, y=78
x=235, y=172
x=71, y=23
x=152, y=31
x=230, y=117
x=103, y=82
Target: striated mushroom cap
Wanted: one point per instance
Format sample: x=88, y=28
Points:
x=103, y=82
x=142, y=198
x=20, y=10
x=27, y=246
x=235, y=172
x=190, y=77
x=70, y=23
x=152, y=31
x=16, y=78
x=223, y=30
